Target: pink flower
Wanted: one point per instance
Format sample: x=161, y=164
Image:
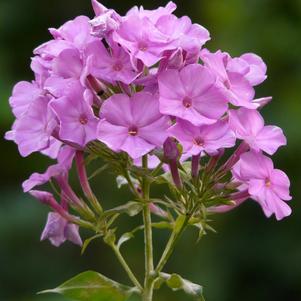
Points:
x=206, y=138
x=111, y=66
x=183, y=34
x=257, y=68
x=155, y=14
x=52, y=151
x=58, y=87
x=23, y=97
x=33, y=130
x=266, y=185
x=191, y=94
x=49, y=50
x=231, y=75
x=77, y=121
x=24, y=93
x=250, y=65
x=64, y=57
x=142, y=39
x=77, y=32
x=68, y=64
x=40, y=69
x=180, y=31
x=248, y=125
x=73, y=35
x=58, y=230
x=133, y=125
x=162, y=31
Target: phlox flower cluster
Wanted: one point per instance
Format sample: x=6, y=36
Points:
x=144, y=84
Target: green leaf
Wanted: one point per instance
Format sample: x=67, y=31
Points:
x=124, y=238
x=162, y=225
x=92, y=286
x=176, y=282
x=130, y=208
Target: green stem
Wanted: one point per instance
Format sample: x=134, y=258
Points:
x=180, y=227
x=126, y=267
x=157, y=169
x=148, y=240
x=149, y=266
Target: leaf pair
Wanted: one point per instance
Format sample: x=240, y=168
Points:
x=92, y=286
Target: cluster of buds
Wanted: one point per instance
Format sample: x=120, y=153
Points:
x=141, y=92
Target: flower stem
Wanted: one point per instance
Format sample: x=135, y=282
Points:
x=148, y=240
x=85, y=185
x=149, y=266
x=180, y=226
x=126, y=267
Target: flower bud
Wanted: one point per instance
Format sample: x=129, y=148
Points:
x=43, y=196
x=171, y=151
x=195, y=166
x=171, y=155
x=157, y=210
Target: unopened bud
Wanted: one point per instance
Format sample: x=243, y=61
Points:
x=43, y=196
x=171, y=151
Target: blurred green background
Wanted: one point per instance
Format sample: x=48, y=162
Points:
x=251, y=257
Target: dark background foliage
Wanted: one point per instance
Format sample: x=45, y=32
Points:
x=251, y=257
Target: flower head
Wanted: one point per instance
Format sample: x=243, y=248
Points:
x=143, y=84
